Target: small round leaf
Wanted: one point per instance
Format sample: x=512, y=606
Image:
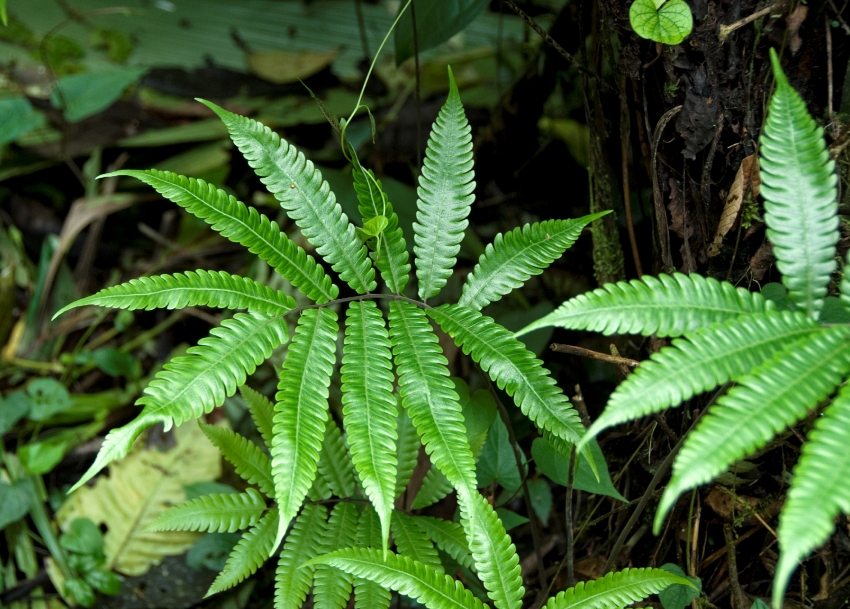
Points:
x=666, y=22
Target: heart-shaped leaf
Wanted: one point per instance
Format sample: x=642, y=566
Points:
x=16, y=500
x=667, y=22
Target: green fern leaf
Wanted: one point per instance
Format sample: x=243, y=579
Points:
x=510, y=260
x=774, y=395
x=249, y=554
x=429, y=396
x=411, y=541
x=407, y=449
x=669, y=305
x=305, y=196
x=262, y=411
x=369, y=412
x=617, y=589
x=513, y=367
x=800, y=189
x=335, y=465
x=448, y=536
x=331, y=587
x=301, y=410
x=392, y=257
x=445, y=196
x=707, y=358
x=495, y=556
x=189, y=386
x=293, y=577
x=431, y=588
x=435, y=486
x=210, y=288
x=368, y=594
x=249, y=461
x=814, y=499
x=320, y=490
x=243, y=225
x=216, y=513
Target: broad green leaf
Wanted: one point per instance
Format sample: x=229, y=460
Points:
x=668, y=22
x=86, y=93
x=555, y=466
x=47, y=397
x=17, y=118
x=16, y=500
x=436, y=22
x=82, y=537
x=12, y=409
x=679, y=596
x=540, y=495
x=497, y=461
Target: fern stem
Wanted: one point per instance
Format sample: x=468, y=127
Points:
x=361, y=297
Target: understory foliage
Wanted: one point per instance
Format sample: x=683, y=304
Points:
x=782, y=365
x=388, y=342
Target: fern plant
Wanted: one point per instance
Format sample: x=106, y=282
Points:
x=784, y=364
x=309, y=459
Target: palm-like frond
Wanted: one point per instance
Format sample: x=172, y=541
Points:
x=392, y=257
x=293, y=577
x=306, y=197
x=369, y=411
x=433, y=589
x=513, y=367
x=331, y=587
x=618, y=589
x=448, y=536
x=774, y=395
x=445, y=195
x=189, y=386
x=407, y=449
x=411, y=541
x=262, y=411
x=249, y=553
x=670, y=305
x=706, y=359
x=512, y=258
x=242, y=225
x=799, y=186
x=368, y=594
x=335, y=465
x=429, y=395
x=495, y=556
x=249, y=461
x=210, y=288
x=815, y=499
x=216, y=513
x=301, y=410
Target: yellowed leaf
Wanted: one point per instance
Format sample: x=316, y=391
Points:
x=747, y=181
x=281, y=67
x=139, y=488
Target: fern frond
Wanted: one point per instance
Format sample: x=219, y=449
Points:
x=262, y=411
x=392, y=259
x=669, y=305
x=617, y=589
x=331, y=587
x=814, y=499
x=707, y=358
x=407, y=449
x=215, y=513
x=368, y=594
x=445, y=195
x=210, y=288
x=335, y=465
x=773, y=396
x=435, y=486
x=248, y=555
x=448, y=536
x=301, y=410
x=433, y=589
x=293, y=577
x=513, y=367
x=369, y=411
x=411, y=541
x=512, y=258
x=495, y=556
x=191, y=385
x=800, y=190
x=241, y=224
x=305, y=196
x=429, y=396
x=249, y=461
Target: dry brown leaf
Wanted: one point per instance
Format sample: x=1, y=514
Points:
x=747, y=181
x=281, y=68
x=794, y=21
x=722, y=501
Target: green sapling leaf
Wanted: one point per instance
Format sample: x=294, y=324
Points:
x=666, y=22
